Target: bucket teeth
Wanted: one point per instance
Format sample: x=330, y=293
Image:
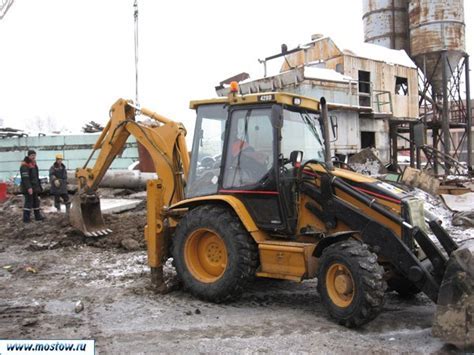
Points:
x=86, y=216
x=109, y=230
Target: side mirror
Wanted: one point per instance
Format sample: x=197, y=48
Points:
x=334, y=127
x=296, y=158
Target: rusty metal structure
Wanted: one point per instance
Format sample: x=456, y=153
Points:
x=433, y=34
x=386, y=23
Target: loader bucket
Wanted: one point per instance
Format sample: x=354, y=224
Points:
x=86, y=215
x=454, y=317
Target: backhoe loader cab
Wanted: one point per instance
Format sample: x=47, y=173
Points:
x=244, y=149
x=259, y=198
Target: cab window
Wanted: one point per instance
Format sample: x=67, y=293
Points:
x=207, y=150
x=250, y=148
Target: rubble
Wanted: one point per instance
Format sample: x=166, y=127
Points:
x=79, y=307
x=421, y=179
x=130, y=244
x=366, y=162
x=56, y=231
x=92, y=127
x=459, y=203
x=464, y=219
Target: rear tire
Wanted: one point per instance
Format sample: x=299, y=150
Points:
x=215, y=256
x=350, y=282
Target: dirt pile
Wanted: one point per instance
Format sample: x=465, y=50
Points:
x=56, y=232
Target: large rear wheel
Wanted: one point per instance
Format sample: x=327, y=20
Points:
x=214, y=255
x=350, y=282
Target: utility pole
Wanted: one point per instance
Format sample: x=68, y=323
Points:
x=135, y=17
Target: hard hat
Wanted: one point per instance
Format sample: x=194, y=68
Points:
x=59, y=156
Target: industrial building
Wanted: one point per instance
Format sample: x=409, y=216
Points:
x=367, y=85
x=404, y=92
x=432, y=32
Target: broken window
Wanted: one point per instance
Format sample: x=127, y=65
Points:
x=401, y=86
x=364, y=88
x=367, y=139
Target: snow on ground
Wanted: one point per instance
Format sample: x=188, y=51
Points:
x=436, y=206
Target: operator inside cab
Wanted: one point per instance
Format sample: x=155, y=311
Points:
x=248, y=158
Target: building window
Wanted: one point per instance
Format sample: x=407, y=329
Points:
x=364, y=88
x=367, y=140
x=401, y=86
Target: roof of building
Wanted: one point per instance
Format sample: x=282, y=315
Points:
x=373, y=52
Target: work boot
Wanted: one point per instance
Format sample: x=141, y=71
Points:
x=58, y=207
x=38, y=215
x=26, y=216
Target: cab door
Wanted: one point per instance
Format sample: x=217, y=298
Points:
x=250, y=166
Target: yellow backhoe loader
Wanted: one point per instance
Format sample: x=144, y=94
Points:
x=259, y=197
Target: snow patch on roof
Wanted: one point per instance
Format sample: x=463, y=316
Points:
x=370, y=51
x=324, y=74
x=381, y=54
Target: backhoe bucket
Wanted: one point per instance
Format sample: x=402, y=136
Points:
x=86, y=215
x=454, y=317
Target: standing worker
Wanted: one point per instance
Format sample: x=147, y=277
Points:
x=30, y=187
x=58, y=180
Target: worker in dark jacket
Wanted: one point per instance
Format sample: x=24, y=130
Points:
x=30, y=187
x=58, y=180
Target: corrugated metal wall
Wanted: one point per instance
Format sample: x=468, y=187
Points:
x=75, y=149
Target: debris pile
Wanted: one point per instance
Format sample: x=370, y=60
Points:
x=56, y=232
x=7, y=132
x=92, y=127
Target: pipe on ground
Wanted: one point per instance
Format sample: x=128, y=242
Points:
x=121, y=179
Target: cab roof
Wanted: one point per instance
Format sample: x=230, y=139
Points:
x=267, y=97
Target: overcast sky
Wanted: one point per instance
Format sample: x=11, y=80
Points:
x=70, y=59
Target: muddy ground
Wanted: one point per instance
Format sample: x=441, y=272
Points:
x=47, y=267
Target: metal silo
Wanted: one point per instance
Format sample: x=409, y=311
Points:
x=386, y=23
x=436, y=27
x=433, y=33
x=437, y=45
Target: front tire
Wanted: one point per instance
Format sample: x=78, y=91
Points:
x=215, y=256
x=350, y=282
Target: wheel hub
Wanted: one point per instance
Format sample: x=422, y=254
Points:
x=205, y=255
x=343, y=284
x=340, y=285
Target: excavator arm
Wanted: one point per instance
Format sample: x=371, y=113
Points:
x=164, y=140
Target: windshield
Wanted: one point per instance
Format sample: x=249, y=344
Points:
x=301, y=131
x=207, y=150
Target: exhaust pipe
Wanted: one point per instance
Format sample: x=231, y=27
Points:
x=327, y=143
